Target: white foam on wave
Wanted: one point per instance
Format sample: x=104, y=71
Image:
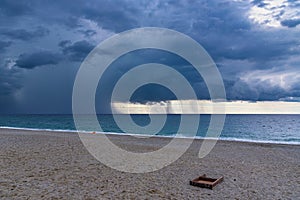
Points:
x=160, y=136
x=38, y=129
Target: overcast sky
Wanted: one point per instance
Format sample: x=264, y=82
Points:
x=255, y=45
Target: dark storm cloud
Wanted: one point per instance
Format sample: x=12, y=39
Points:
x=259, y=3
x=76, y=51
x=115, y=16
x=291, y=23
x=4, y=45
x=64, y=43
x=30, y=61
x=261, y=49
x=15, y=8
x=227, y=33
x=22, y=34
x=240, y=90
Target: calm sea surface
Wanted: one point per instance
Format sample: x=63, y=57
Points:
x=258, y=128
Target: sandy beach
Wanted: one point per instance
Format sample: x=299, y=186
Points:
x=55, y=165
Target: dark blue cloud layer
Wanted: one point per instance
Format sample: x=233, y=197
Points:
x=291, y=22
x=30, y=61
x=76, y=51
x=52, y=33
x=15, y=8
x=4, y=45
x=23, y=34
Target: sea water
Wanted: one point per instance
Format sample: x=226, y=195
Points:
x=256, y=128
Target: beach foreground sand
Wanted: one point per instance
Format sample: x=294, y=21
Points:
x=55, y=165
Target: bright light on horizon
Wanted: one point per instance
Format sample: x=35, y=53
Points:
x=207, y=107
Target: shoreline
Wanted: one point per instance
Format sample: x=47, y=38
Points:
x=155, y=136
